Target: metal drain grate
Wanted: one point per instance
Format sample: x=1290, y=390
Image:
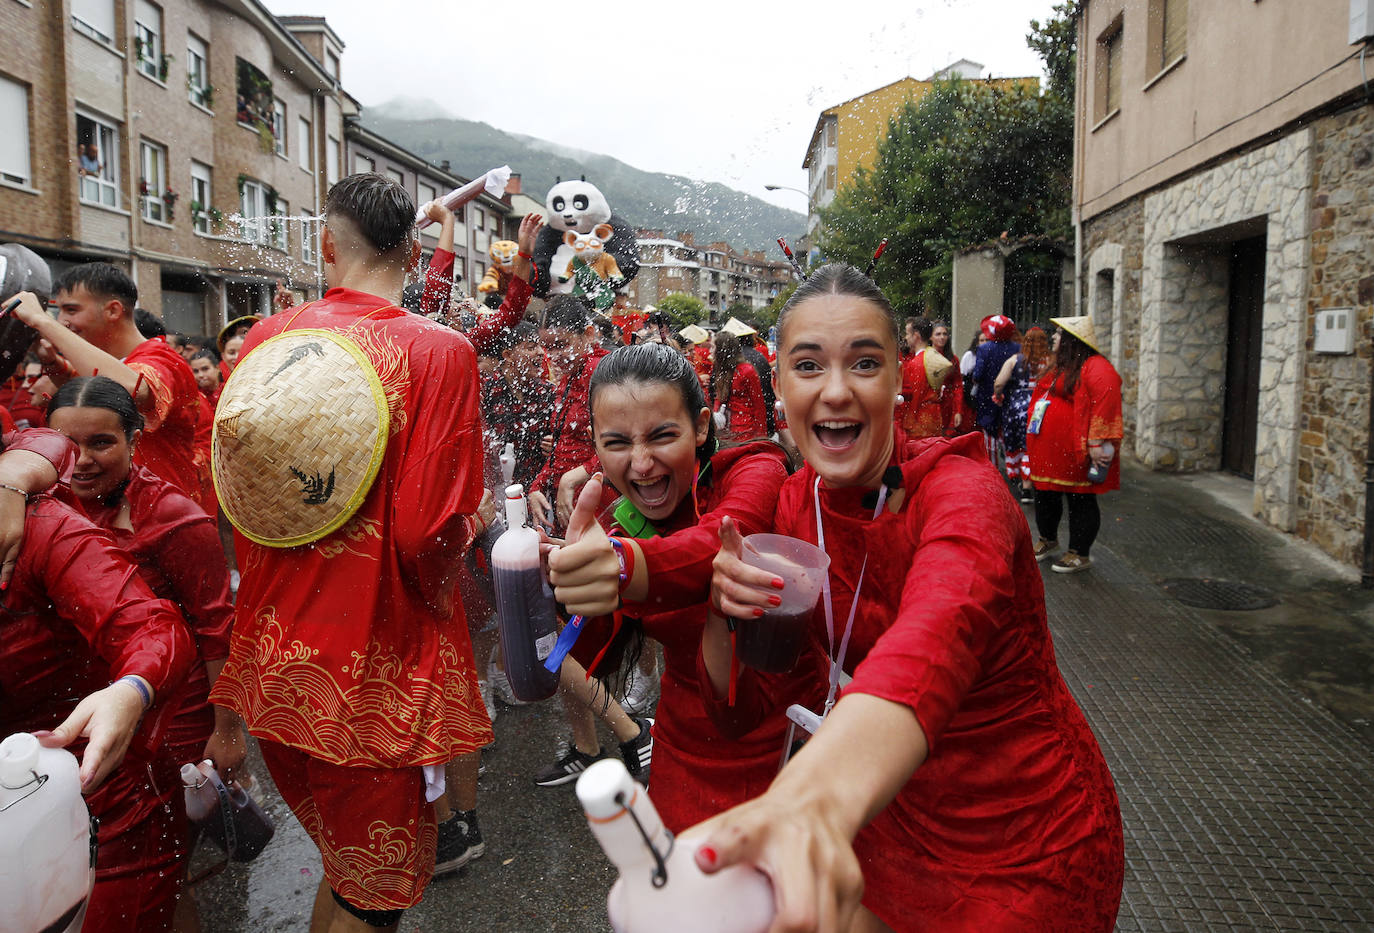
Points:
x=1207, y=593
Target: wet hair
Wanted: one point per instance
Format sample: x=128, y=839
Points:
x=149, y=324
x=654, y=363
x=1068, y=363
x=729, y=355
x=569, y=312
x=923, y=326
x=205, y=354
x=382, y=210
x=411, y=295
x=1036, y=347
x=838, y=278
x=102, y=280
x=509, y=339
x=99, y=392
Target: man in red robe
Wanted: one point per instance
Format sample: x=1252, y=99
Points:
x=350, y=658
x=94, y=334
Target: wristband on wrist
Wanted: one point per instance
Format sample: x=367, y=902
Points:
x=524, y=255
x=626, y=557
x=22, y=492
x=138, y=684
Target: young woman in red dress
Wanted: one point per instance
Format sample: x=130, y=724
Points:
x=1074, y=426
x=956, y=783
x=656, y=443
x=737, y=391
x=177, y=549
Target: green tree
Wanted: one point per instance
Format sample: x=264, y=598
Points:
x=683, y=308
x=767, y=317
x=966, y=164
x=1056, y=42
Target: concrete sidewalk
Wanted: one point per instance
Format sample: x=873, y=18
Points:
x=1247, y=806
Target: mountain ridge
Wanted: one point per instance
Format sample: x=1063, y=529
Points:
x=657, y=200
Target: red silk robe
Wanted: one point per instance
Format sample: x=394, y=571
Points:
x=354, y=649
x=1059, y=453
x=1012, y=822
x=173, y=446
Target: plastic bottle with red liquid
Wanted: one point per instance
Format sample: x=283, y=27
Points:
x=525, y=611
x=661, y=889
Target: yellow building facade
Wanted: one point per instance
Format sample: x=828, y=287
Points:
x=846, y=136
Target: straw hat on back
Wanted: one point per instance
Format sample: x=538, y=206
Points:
x=299, y=436
x=1081, y=327
x=936, y=367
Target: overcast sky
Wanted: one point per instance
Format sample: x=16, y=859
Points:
x=720, y=91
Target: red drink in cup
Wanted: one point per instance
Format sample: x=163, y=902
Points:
x=774, y=641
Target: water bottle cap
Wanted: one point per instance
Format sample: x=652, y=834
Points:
x=603, y=786
x=515, y=491
x=18, y=759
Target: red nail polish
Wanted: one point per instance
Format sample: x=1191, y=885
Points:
x=708, y=856
x=775, y=600
x=777, y=583
x=758, y=613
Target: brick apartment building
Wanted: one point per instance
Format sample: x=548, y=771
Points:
x=200, y=113
x=716, y=273
x=477, y=224
x=1224, y=183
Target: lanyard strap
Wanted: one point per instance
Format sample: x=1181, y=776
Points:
x=837, y=660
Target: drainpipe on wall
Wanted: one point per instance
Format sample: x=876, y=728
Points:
x=1367, y=569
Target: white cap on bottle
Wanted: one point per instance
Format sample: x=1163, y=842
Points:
x=18, y=759
x=606, y=789
x=515, y=506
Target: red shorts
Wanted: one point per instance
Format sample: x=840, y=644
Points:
x=375, y=832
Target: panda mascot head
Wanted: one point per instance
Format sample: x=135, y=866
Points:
x=579, y=207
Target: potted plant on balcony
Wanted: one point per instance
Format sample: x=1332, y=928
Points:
x=169, y=198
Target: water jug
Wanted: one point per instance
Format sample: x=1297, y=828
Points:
x=661, y=889
x=47, y=841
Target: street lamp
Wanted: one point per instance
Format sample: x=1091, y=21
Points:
x=787, y=188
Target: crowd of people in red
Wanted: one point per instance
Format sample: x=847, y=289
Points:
x=953, y=782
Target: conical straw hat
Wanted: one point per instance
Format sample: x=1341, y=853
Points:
x=299, y=436
x=695, y=334
x=1081, y=327
x=738, y=328
x=936, y=367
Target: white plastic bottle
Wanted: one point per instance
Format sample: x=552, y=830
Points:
x=661, y=889
x=47, y=845
x=528, y=621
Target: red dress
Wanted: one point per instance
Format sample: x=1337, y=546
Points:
x=745, y=404
x=77, y=616
x=177, y=549
x=1059, y=453
x=1012, y=822
x=921, y=413
x=701, y=769
x=173, y=446
x=355, y=649
x=572, y=442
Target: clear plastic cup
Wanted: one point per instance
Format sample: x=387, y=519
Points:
x=774, y=641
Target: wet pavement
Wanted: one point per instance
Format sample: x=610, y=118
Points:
x=1242, y=744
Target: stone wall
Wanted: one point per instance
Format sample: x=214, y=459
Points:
x=1264, y=190
x=1111, y=294
x=1336, y=389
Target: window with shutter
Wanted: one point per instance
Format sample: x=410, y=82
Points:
x=1175, y=31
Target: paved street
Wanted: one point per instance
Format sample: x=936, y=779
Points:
x=1242, y=745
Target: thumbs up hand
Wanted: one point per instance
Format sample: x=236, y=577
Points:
x=585, y=571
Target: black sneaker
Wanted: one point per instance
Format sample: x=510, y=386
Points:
x=639, y=751
x=460, y=841
x=567, y=768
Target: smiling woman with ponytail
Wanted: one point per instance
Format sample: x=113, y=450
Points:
x=647, y=563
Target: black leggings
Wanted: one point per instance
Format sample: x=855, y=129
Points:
x=1084, y=518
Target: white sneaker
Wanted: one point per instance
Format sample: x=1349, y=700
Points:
x=500, y=686
x=639, y=691
x=488, y=700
